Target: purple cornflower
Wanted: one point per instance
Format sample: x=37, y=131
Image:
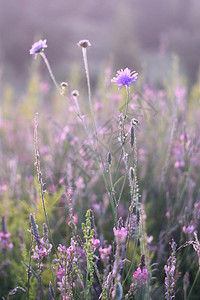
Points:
x=38, y=47
x=125, y=77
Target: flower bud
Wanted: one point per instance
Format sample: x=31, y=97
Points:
x=84, y=43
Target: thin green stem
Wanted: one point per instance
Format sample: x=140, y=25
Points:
x=127, y=99
x=126, y=111
x=40, y=181
x=84, y=126
x=194, y=282
x=111, y=184
x=50, y=71
x=29, y=269
x=53, y=280
x=84, y=51
x=124, y=181
x=97, y=162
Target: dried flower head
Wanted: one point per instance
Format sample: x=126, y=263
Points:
x=109, y=158
x=75, y=93
x=38, y=47
x=64, y=84
x=125, y=77
x=84, y=43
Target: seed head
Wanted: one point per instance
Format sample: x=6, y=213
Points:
x=64, y=84
x=84, y=43
x=75, y=93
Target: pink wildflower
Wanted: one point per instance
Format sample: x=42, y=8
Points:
x=140, y=276
x=120, y=234
x=42, y=250
x=95, y=244
x=104, y=254
x=188, y=229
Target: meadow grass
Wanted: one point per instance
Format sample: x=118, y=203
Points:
x=99, y=189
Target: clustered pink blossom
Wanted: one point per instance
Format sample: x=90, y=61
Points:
x=95, y=244
x=170, y=274
x=5, y=240
x=104, y=254
x=120, y=235
x=65, y=270
x=5, y=237
x=188, y=229
x=42, y=250
x=140, y=276
x=179, y=164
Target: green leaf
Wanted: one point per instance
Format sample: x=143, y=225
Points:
x=33, y=272
x=120, y=179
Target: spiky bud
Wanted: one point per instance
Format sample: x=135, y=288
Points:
x=120, y=223
x=132, y=135
x=3, y=224
x=109, y=158
x=45, y=230
x=35, y=231
x=131, y=173
x=142, y=262
x=51, y=291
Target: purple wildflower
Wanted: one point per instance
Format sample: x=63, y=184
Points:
x=141, y=274
x=105, y=253
x=4, y=240
x=38, y=47
x=5, y=237
x=140, y=277
x=66, y=272
x=120, y=235
x=125, y=77
x=170, y=272
x=188, y=229
x=42, y=250
x=95, y=244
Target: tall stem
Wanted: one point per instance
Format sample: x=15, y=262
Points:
x=50, y=71
x=127, y=99
x=85, y=128
x=197, y=275
x=85, y=61
x=39, y=173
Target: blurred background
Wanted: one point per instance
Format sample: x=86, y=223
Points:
x=140, y=34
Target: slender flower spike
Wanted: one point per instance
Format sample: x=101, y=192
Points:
x=125, y=77
x=38, y=47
